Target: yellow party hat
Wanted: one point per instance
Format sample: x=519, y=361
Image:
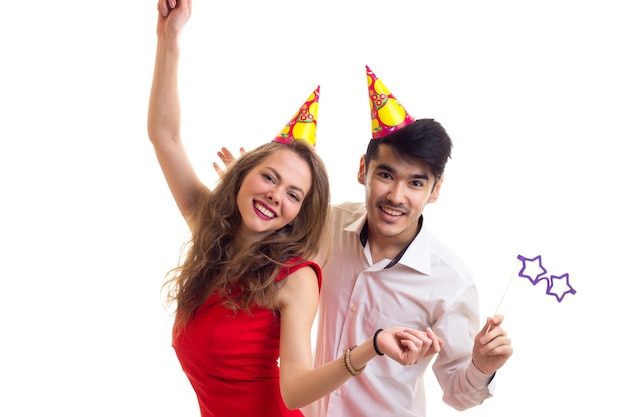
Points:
x=386, y=112
x=303, y=125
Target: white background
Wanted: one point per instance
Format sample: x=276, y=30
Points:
x=532, y=94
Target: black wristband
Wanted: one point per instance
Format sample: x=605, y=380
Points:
x=374, y=342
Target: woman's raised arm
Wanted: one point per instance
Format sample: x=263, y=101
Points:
x=164, y=112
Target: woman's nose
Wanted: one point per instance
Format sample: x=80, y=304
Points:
x=272, y=197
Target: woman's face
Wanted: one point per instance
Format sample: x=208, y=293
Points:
x=272, y=194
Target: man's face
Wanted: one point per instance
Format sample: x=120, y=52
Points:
x=396, y=192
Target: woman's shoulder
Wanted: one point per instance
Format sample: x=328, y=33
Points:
x=295, y=264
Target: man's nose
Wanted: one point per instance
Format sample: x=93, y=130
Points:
x=396, y=194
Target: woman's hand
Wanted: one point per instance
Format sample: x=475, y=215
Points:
x=408, y=346
x=173, y=15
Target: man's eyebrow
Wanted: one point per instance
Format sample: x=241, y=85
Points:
x=279, y=177
x=420, y=176
x=385, y=167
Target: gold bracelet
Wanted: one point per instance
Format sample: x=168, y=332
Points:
x=346, y=362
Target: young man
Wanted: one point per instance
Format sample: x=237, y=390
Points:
x=387, y=269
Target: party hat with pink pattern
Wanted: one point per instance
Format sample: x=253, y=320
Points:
x=303, y=125
x=386, y=112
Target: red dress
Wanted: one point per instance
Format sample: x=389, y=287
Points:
x=231, y=358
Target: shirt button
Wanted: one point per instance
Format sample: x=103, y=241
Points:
x=354, y=309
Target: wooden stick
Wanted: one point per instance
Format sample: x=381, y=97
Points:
x=504, y=293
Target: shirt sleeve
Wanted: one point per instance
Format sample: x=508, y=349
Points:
x=463, y=384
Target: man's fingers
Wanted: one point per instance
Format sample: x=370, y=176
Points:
x=218, y=169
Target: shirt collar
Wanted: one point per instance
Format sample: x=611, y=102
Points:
x=415, y=255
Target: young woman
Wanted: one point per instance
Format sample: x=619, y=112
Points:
x=246, y=292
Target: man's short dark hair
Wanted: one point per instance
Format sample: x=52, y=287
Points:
x=424, y=139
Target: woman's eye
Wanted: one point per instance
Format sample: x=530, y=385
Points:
x=269, y=178
x=294, y=197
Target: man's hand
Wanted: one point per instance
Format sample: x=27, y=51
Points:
x=492, y=347
x=227, y=159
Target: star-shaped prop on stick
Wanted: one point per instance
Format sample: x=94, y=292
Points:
x=533, y=270
x=559, y=286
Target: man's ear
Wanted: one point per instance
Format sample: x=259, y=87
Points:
x=361, y=175
x=434, y=196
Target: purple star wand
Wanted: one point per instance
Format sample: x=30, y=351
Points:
x=533, y=270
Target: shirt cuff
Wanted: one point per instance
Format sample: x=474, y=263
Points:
x=477, y=378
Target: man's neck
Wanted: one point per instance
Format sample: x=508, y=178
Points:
x=387, y=247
